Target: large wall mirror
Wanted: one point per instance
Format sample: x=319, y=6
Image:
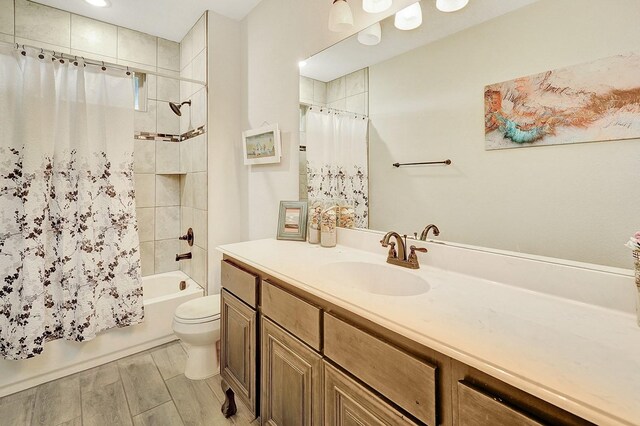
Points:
x=423, y=95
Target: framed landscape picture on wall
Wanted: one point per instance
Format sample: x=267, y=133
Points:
x=262, y=146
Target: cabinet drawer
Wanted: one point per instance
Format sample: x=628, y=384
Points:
x=242, y=284
x=346, y=402
x=404, y=379
x=294, y=314
x=476, y=408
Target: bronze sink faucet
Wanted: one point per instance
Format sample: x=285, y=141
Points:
x=400, y=257
x=425, y=231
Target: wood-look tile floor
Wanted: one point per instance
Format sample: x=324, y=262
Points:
x=148, y=388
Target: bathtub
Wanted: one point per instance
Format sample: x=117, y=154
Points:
x=60, y=358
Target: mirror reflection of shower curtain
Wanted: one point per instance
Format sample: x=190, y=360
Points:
x=69, y=259
x=337, y=160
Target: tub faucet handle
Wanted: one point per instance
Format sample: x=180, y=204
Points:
x=188, y=237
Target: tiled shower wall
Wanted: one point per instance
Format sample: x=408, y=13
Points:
x=170, y=187
x=193, y=152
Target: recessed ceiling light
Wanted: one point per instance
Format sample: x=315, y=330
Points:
x=99, y=3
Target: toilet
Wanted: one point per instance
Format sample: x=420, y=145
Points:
x=197, y=323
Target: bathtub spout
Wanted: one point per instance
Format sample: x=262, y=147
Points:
x=184, y=256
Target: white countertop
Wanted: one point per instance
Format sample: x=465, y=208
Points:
x=580, y=357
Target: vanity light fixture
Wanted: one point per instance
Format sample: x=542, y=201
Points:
x=409, y=18
x=302, y=64
x=376, y=6
x=370, y=36
x=340, y=16
x=450, y=5
x=99, y=3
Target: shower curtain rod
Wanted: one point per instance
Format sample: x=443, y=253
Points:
x=320, y=107
x=70, y=57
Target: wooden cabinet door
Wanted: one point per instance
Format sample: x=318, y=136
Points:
x=238, y=362
x=291, y=379
x=347, y=403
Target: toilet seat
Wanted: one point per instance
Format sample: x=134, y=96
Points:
x=198, y=311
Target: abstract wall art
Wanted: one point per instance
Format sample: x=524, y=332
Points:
x=592, y=102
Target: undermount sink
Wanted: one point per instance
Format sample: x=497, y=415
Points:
x=376, y=279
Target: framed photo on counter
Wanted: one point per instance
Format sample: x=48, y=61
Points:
x=292, y=221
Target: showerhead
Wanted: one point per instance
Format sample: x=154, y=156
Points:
x=176, y=107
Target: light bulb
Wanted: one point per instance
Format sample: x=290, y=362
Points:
x=409, y=18
x=302, y=64
x=376, y=6
x=99, y=3
x=370, y=36
x=450, y=5
x=340, y=17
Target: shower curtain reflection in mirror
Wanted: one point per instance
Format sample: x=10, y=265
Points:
x=69, y=260
x=337, y=167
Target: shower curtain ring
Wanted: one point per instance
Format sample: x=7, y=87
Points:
x=84, y=61
x=41, y=55
x=24, y=52
x=103, y=67
x=75, y=61
x=128, y=72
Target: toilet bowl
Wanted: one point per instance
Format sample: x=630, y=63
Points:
x=197, y=323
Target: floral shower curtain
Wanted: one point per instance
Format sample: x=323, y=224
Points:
x=69, y=260
x=337, y=160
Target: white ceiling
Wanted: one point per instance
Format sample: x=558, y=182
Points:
x=349, y=55
x=170, y=19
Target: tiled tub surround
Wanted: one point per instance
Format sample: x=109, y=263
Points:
x=61, y=357
x=562, y=331
x=171, y=193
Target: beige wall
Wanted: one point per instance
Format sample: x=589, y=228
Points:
x=579, y=201
x=277, y=34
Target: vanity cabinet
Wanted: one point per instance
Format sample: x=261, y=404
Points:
x=239, y=334
x=321, y=364
x=347, y=403
x=481, y=399
x=476, y=408
x=404, y=379
x=291, y=382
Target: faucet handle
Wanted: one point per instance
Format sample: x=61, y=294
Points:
x=392, y=250
x=413, y=258
x=188, y=237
